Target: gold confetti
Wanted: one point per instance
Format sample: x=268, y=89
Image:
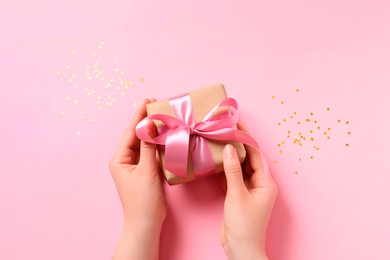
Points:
x=75, y=101
x=295, y=113
x=297, y=90
x=311, y=157
x=282, y=102
x=296, y=172
x=347, y=122
x=311, y=113
x=327, y=108
x=298, y=123
x=307, y=120
x=339, y=120
x=346, y=144
x=328, y=128
x=328, y=137
x=311, y=139
x=349, y=133
x=275, y=161
x=280, y=151
x=142, y=80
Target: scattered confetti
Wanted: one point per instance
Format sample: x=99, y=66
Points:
x=302, y=130
x=93, y=90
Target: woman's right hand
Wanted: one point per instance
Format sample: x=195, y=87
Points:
x=248, y=204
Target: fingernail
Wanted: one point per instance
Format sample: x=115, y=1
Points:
x=229, y=151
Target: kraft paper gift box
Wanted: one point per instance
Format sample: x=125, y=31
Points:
x=203, y=101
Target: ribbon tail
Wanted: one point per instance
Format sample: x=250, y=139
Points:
x=176, y=151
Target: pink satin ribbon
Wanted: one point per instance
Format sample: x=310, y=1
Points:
x=181, y=135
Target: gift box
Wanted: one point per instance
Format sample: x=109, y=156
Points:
x=192, y=131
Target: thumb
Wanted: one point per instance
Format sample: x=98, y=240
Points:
x=233, y=172
x=148, y=150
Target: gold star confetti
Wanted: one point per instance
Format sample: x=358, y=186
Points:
x=97, y=79
x=303, y=132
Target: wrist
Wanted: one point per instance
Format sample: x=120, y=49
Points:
x=140, y=239
x=246, y=252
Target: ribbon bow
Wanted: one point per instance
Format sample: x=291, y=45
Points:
x=181, y=135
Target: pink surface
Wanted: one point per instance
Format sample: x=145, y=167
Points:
x=57, y=199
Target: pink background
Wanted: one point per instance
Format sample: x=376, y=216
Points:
x=57, y=198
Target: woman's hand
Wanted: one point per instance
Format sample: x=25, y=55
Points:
x=248, y=204
x=135, y=171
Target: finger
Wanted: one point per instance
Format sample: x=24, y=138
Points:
x=253, y=155
x=148, y=150
x=128, y=148
x=261, y=177
x=233, y=172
